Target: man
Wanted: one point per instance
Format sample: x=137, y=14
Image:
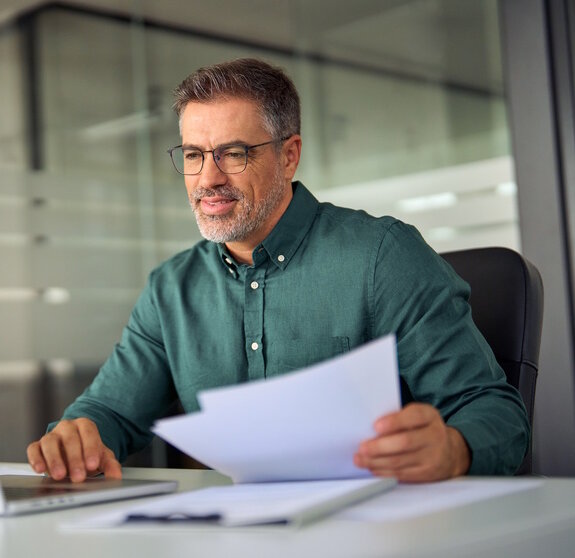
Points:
x=283, y=281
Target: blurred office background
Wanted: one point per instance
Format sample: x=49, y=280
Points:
x=452, y=115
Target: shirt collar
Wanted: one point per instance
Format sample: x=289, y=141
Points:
x=282, y=243
x=284, y=240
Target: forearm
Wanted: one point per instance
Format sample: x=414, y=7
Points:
x=497, y=433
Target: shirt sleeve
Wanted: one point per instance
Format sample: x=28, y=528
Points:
x=443, y=358
x=134, y=387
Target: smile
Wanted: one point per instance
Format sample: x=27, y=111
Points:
x=217, y=205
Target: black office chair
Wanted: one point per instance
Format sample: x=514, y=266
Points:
x=507, y=306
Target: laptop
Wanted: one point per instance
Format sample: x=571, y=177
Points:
x=21, y=494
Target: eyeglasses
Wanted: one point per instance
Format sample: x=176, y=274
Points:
x=230, y=159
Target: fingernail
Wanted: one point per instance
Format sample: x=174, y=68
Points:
x=58, y=472
x=77, y=474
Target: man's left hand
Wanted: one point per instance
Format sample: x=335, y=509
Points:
x=414, y=445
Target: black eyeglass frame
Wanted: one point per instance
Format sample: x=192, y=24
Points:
x=213, y=152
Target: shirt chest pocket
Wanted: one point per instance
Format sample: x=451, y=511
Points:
x=292, y=354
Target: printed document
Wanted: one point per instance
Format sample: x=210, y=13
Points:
x=306, y=425
x=270, y=503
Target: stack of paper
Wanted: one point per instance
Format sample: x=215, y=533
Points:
x=305, y=425
x=283, y=503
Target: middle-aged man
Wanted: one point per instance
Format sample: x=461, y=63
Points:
x=280, y=282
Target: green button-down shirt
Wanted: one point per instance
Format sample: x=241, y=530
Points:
x=326, y=280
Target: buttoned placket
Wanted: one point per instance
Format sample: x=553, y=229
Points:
x=253, y=279
x=230, y=266
x=254, y=283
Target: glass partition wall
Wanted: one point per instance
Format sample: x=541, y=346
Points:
x=403, y=114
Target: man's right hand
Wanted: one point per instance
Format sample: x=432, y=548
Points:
x=73, y=448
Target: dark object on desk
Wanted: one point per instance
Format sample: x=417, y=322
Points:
x=21, y=494
x=507, y=307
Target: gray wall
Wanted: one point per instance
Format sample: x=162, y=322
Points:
x=534, y=74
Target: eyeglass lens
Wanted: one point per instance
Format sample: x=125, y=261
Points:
x=229, y=159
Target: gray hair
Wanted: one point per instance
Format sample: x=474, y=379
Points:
x=246, y=78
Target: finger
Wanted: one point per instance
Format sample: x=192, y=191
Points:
x=397, y=444
x=417, y=466
x=97, y=456
x=413, y=415
x=72, y=449
x=432, y=462
x=54, y=458
x=415, y=474
x=391, y=463
x=92, y=446
x=35, y=458
x=110, y=465
x=420, y=467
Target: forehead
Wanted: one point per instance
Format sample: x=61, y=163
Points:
x=209, y=124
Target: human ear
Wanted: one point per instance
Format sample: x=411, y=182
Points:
x=291, y=153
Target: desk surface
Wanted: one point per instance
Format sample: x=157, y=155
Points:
x=532, y=523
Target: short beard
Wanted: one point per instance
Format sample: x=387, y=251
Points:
x=246, y=218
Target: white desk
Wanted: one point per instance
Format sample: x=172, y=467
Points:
x=533, y=523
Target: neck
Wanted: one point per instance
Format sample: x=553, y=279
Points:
x=242, y=255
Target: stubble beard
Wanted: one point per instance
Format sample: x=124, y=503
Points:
x=246, y=217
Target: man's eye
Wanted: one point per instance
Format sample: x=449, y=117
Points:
x=192, y=155
x=233, y=153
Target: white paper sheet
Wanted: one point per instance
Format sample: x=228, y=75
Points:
x=17, y=469
x=413, y=500
x=302, y=426
x=289, y=503
x=247, y=504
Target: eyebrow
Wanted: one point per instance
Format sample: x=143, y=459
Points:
x=226, y=144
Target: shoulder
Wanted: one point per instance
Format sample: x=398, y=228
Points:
x=357, y=227
x=185, y=264
x=396, y=249
x=347, y=219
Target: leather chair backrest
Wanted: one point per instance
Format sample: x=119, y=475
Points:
x=507, y=306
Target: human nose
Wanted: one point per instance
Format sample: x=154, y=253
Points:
x=211, y=174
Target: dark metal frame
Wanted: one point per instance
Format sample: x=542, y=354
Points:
x=216, y=154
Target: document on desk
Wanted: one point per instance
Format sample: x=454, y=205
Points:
x=415, y=500
x=270, y=503
x=305, y=425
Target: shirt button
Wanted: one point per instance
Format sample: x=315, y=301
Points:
x=230, y=270
x=255, y=346
x=281, y=258
x=228, y=261
x=254, y=285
